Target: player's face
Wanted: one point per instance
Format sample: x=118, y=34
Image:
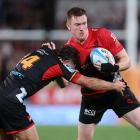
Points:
x=78, y=27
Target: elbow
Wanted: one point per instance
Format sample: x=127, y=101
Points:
x=129, y=64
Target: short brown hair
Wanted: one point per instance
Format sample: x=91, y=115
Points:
x=75, y=11
x=68, y=52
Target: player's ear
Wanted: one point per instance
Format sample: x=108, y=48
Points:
x=67, y=25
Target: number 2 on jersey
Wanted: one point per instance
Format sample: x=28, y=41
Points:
x=21, y=95
x=27, y=62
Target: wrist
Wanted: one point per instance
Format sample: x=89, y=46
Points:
x=108, y=67
x=116, y=68
x=114, y=86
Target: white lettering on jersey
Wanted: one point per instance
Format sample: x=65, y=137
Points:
x=21, y=95
x=113, y=36
x=69, y=68
x=42, y=52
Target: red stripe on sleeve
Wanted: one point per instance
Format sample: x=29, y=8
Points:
x=52, y=72
x=75, y=77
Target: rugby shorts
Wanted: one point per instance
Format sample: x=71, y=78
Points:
x=93, y=107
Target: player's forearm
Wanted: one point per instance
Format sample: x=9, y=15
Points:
x=98, y=84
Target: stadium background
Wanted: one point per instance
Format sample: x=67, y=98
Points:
x=25, y=24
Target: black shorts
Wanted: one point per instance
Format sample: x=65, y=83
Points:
x=93, y=107
x=13, y=115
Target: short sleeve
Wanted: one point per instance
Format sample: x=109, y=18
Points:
x=69, y=73
x=111, y=42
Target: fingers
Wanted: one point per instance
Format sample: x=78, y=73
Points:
x=107, y=56
x=122, y=88
x=97, y=66
x=122, y=93
x=50, y=45
x=53, y=45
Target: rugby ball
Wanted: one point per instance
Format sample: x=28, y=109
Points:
x=101, y=55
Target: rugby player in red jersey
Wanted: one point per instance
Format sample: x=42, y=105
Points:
x=33, y=72
x=96, y=102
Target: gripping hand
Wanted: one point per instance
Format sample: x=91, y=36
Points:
x=108, y=67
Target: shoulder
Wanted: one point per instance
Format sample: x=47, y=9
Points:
x=102, y=33
x=70, y=41
x=100, y=30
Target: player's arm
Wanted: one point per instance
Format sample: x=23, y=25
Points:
x=98, y=84
x=122, y=63
x=123, y=60
x=116, y=48
x=93, y=83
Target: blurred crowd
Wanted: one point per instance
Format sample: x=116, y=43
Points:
x=27, y=14
x=49, y=15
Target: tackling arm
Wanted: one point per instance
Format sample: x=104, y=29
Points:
x=98, y=84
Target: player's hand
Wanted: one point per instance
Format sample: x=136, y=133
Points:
x=50, y=45
x=97, y=66
x=119, y=86
x=108, y=67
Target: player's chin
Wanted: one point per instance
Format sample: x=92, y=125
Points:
x=81, y=38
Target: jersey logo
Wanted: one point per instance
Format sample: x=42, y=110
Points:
x=69, y=68
x=113, y=37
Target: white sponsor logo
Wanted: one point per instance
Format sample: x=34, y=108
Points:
x=69, y=68
x=89, y=112
x=113, y=36
x=42, y=52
